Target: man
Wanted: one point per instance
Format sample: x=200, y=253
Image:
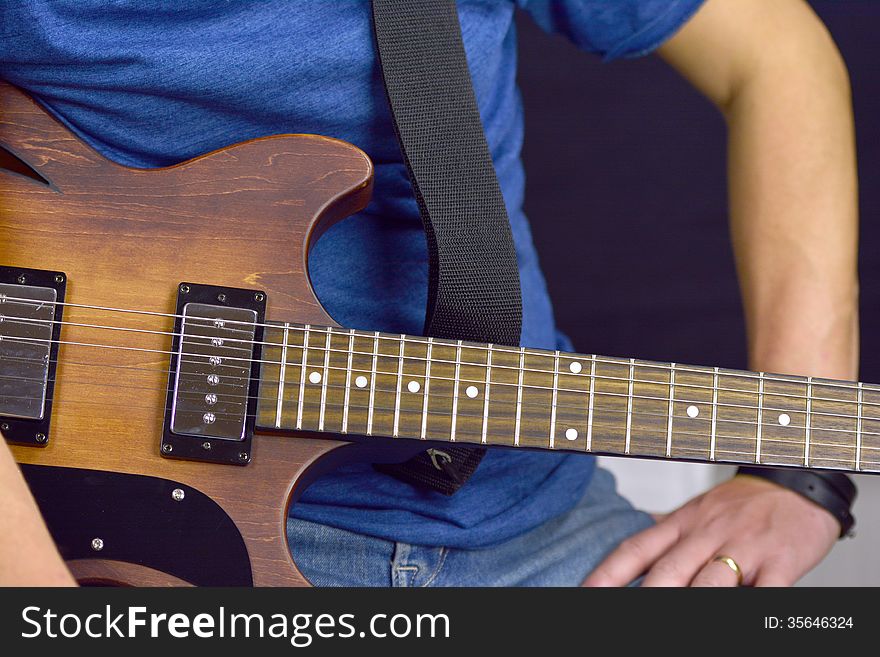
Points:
x=150, y=83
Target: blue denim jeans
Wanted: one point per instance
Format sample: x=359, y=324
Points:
x=561, y=552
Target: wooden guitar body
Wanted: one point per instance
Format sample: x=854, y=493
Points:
x=166, y=369
x=240, y=217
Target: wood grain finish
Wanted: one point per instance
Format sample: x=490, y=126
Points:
x=244, y=217
x=240, y=217
x=442, y=390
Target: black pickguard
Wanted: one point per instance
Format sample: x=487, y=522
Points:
x=139, y=521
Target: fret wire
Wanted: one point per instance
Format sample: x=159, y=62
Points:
x=629, y=404
x=281, y=372
x=869, y=464
x=348, y=381
x=797, y=382
x=828, y=383
x=590, y=408
x=611, y=394
x=618, y=394
x=305, y=328
x=714, y=414
x=305, y=345
x=642, y=413
x=455, y=385
x=399, y=383
x=690, y=433
x=770, y=456
x=760, y=417
x=682, y=368
x=302, y=378
x=519, y=391
x=373, y=383
x=742, y=422
x=486, y=396
x=324, y=382
x=663, y=415
x=427, y=387
x=671, y=410
x=679, y=368
x=859, y=432
x=645, y=397
x=678, y=385
x=742, y=406
x=553, y=403
x=807, y=423
x=782, y=441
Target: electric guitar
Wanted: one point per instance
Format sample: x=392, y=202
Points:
x=170, y=383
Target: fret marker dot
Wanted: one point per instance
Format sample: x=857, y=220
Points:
x=575, y=367
x=361, y=382
x=693, y=411
x=571, y=434
x=315, y=377
x=413, y=386
x=472, y=391
x=784, y=419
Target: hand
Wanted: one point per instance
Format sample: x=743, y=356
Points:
x=775, y=536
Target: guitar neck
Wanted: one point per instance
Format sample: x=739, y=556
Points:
x=407, y=387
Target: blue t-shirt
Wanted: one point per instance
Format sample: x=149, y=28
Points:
x=150, y=83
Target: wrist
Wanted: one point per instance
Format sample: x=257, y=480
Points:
x=822, y=341
x=832, y=491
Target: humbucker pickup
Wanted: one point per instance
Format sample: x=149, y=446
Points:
x=214, y=374
x=31, y=306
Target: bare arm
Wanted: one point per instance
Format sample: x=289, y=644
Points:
x=774, y=72
x=27, y=554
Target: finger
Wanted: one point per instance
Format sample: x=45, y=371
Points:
x=775, y=573
x=720, y=574
x=681, y=563
x=634, y=555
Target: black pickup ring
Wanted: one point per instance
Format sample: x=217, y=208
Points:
x=32, y=431
x=182, y=438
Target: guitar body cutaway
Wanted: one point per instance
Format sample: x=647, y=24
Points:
x=240, y=217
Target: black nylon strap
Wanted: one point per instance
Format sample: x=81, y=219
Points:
x=474, y=291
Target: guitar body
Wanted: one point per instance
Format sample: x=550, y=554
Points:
x=171, y=384
x=240, y=217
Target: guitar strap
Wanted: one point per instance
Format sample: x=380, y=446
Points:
x=474, y=289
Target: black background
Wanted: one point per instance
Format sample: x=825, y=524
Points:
x=626, y=194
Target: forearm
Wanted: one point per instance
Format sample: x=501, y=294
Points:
x=27, y=554
x=793, y=204
x=775, y=73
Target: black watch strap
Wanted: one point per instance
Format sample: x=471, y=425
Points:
x=833, y=491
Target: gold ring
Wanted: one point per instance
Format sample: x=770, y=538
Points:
x=733, y=565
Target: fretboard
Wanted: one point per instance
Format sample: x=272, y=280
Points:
x=415, y=388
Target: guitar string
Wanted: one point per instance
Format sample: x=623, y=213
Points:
x=322, y=350
x=543, y=388
x=293, y=385
x=542, y=406
x=413, y=340
x=765, y=455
